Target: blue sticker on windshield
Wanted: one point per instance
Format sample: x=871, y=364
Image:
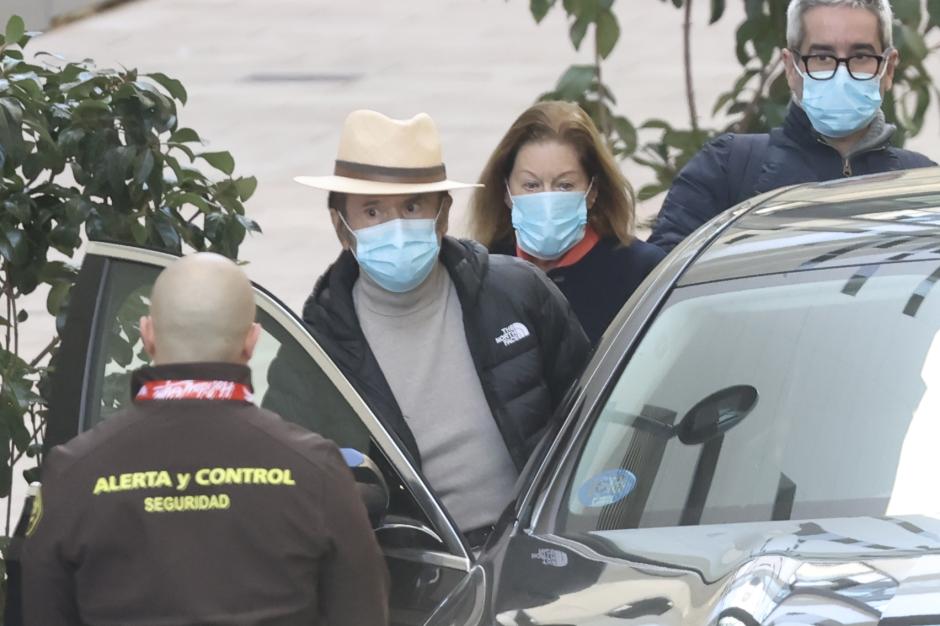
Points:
x=607, y=488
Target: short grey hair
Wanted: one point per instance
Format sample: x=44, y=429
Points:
x=798, y=8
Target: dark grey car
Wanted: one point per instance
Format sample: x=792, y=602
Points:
x=755, y=441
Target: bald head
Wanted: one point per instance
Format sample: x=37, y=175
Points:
x=202, y=308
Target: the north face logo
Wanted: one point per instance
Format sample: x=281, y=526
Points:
x=512, y=333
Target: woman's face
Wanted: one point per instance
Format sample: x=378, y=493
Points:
x=547, y=166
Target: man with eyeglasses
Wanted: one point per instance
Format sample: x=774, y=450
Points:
x=464, y=356
x=839, y=63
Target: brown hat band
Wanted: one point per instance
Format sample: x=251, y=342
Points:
x=382, y=174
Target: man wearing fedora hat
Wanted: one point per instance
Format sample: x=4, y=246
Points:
x=464, y=356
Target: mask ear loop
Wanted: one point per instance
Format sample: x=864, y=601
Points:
x=351, y=232
x=346, y=224
x=440, y=209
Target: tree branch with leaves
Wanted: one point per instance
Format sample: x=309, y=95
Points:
x=758, y=99
x=94, y=153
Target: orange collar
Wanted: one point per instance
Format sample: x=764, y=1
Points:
x=572, y=256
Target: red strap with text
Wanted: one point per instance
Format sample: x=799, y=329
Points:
x=194, y=390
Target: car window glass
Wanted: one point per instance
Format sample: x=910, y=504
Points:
x=845, y=364
x=300, y=392
x=120, y=350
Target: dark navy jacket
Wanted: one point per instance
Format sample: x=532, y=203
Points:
x=600, y=283
x=732, y=168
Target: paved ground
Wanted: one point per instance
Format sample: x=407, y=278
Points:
x=40, y=13
x=272, y=81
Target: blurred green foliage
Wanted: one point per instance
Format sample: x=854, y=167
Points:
x=100, y=154
x=755, y=102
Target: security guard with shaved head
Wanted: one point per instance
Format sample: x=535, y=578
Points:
x=194, y=506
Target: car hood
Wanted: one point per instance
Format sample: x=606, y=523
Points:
x=834, y=571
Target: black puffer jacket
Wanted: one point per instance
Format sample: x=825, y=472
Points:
x=524, y=371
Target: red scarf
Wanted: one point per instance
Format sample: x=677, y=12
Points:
x=194, y=390
x=572, y=256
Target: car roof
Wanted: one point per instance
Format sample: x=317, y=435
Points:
x=883, y=218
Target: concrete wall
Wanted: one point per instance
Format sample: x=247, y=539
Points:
x=39, y=14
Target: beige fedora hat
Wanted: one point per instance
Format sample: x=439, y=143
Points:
x=381, y=156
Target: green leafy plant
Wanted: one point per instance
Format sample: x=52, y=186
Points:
x=755, y=102
x=100, y=153
x=584, y=83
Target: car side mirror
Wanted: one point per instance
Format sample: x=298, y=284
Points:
x=717, y=414
x=371, y=484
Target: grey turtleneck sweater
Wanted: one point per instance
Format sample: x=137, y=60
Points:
x=419, y=341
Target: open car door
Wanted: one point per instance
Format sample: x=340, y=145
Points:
x=293, y=376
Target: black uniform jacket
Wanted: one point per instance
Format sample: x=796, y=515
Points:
x=201, y=512
x=526, y=343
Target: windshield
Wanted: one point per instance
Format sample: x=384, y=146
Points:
x=813, y=394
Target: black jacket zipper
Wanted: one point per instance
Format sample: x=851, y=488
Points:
x=847, y=161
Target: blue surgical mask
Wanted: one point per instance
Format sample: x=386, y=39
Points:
x=841, y=105
x=397, y=254
x=550, y=223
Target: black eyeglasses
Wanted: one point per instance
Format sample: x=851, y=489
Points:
x=860, y=66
